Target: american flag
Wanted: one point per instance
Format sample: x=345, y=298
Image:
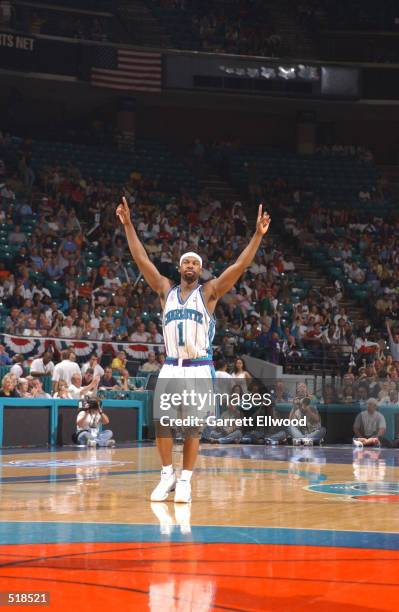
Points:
x=127, y=69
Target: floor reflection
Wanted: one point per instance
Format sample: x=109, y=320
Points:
x=368, y=465
x=196, y=594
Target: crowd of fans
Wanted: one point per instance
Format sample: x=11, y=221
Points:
x=366, y=251
x=366, y=15
x=362, y=16
x=69, y=380
x=228, y=26
x=88, y=381
x=42, y=20
x=59, y=282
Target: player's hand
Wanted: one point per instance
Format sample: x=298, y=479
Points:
x=263, y=221
x=123, y=212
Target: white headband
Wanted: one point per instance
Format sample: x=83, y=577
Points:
x=191, y=254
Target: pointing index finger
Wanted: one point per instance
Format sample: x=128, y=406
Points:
x=124, y=202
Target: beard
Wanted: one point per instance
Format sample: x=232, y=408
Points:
x=190, y=277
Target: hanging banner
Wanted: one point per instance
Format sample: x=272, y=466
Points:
x=34, y=347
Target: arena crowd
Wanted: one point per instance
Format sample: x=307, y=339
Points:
x=66, y=274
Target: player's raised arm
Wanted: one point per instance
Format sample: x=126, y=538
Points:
x=157, y=282
x=214, y=289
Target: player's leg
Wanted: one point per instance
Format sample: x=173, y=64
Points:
x=164, y=438
x=164, y=441
x=190, y=454
x=165, y=449
x=200, y=380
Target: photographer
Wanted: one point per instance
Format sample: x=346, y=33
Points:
x=88, y=422
x=313, y=432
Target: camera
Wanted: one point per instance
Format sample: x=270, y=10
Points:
x=90, y=404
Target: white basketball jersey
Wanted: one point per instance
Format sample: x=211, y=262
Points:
x=188, y=328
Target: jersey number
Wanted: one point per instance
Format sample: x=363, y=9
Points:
x=180, y=329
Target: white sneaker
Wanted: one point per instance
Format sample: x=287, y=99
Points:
x=357, y=443
x=307, y=441
x=183, y=492
x=111, y=443
x=91, y=443
x=164, y=487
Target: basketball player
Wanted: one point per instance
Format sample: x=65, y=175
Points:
x=188, y=330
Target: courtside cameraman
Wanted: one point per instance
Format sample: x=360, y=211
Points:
x=88, y=422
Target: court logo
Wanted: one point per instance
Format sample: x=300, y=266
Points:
x=360, y=491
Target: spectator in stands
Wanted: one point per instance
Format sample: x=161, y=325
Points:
x=31, y=329
x=42, y=366
x=119, y=362
x=355, y=273
x=68, y=330
x=65, y=368
x=140, y=335
x=36, y=389
x=63, y=392
x=8, y=386
x=5, y=359
x=93, y=363
x=77, y=391
x=393, y=341
x=383, y=394
x=365, y=348
x=151, y=365
x=221, y=370
x=369, y=426
x=155, y=336
x=240, y=372
x=88, y=426
x=329, y=395
x=108, y=381
x=292, y=355
x=280, y=395
x=17, y=369
x=17, y=237
x=310, y=433
x=88, y=377
x=384, y=305
x=391, y=400
x=7, y=193
x=23, y=388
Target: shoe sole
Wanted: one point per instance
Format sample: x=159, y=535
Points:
x=182, y=501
